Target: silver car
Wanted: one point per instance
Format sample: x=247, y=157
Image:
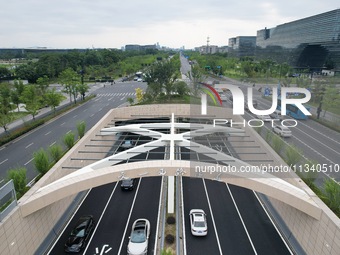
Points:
x=139, y=238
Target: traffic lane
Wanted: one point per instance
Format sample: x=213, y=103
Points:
x=232, y=236
x=146, y=207
x=312, y=148
x=308, y=151
x=100, y=195
x=313, y=133
x=313, y=128
x=112, y=225
x=320, y=132
x=194, y=197
x=264, y=236
x=48, y=134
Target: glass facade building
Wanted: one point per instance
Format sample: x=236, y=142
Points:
x=312, y=42
x=242, y=46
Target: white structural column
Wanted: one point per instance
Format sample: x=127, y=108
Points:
x=171, y=179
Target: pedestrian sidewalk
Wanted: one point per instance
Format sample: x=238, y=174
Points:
x=20, y=122
x=43, y=112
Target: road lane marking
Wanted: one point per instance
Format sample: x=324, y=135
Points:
x=314, y=150
x=320, y=142
x=212, y=217
x=183, y=217
x=128, y=220
x=158, y=217
x=307, y=159
x=62, y=123
x=3, y=161
x=328, y=137
x=68, y=223
x=52, y=144
x=28, y=162
x=29, y=145
x=239, y=214
x=277, y=230
x=49, y=132
x=100, y=218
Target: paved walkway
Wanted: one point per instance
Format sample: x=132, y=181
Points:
x=44, y=111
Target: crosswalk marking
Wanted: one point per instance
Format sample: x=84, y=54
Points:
x=116, y=94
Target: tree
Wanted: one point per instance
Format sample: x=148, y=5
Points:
x=5, y=120
x=196, y=77
x=18, y=175
x=161, y=77
x=293, y=155
x=69, y=79
x=56, y=152
x=139, y=95
x=331, y=98
x=42, y=84
x=4, y=72
x=53, y=99
x=16, y=92
x=68, y=140
x=41, y=161
x=82, y=89
x=181, y=88
x=81, y=127
x=332, y=195
x=32, y=99
x=5, y=98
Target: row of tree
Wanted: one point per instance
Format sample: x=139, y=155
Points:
x=90, y=63
x=43, y=160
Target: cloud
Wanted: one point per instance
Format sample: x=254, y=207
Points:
x=80, y=23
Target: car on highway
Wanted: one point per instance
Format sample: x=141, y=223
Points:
x=264, y=117
x=80, y=234
x=282, y=131
x=276, y=115
x=139, y=238
x=198, y=222
x=127, y=184
x=127, y=144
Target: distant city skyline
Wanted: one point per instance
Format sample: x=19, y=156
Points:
x=104, y=24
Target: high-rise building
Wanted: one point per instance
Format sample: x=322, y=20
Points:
x=242, y=46
x=312, y=42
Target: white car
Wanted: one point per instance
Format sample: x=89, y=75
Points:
x=282, y=131
x=264, y=117
x=276, y=115
x=198, y=222
x=139, y=238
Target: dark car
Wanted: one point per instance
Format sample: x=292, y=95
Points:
x=127, y=184
x=80, y=234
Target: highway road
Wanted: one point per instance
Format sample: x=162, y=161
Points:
x=317, y=142
x=19, y=153
x=238, y=224
x=236, y=220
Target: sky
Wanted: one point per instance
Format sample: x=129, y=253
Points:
x=113, y=24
